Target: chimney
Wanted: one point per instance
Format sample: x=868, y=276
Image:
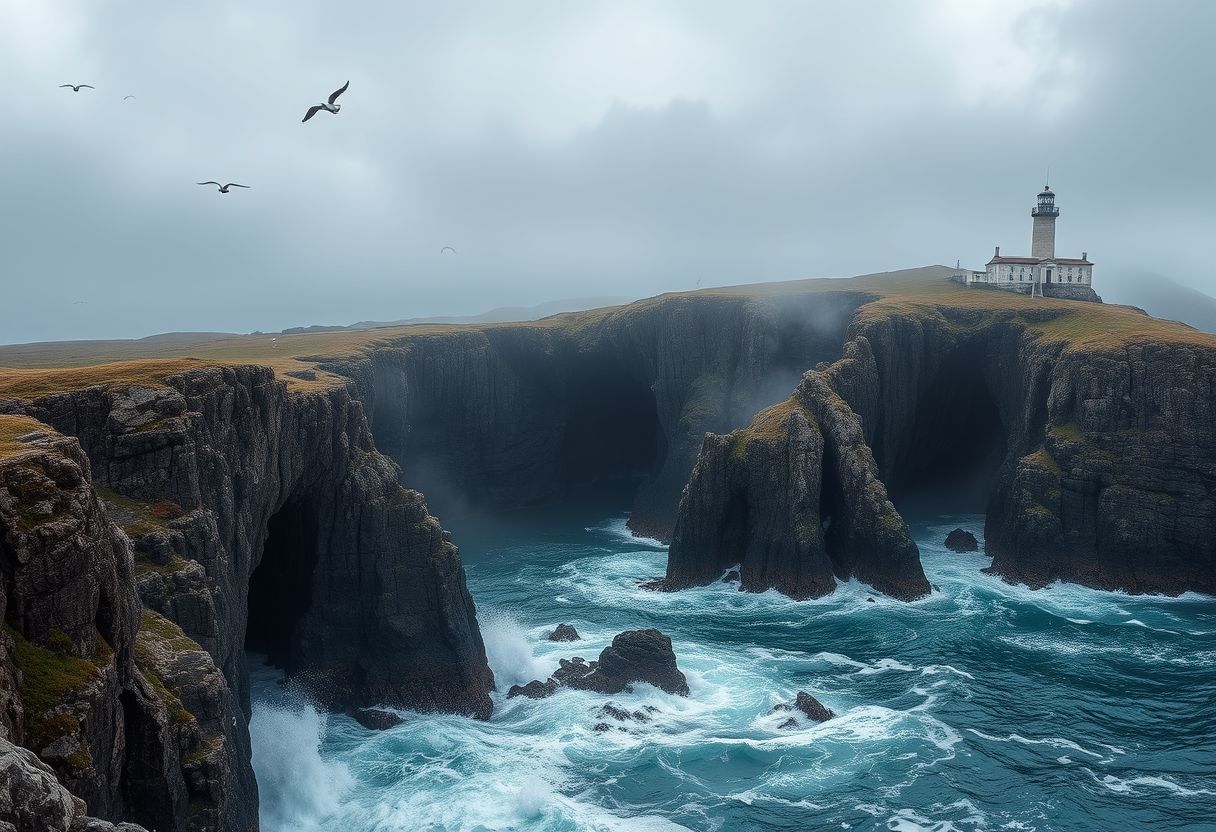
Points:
x=998, y=252
x=1085, y=255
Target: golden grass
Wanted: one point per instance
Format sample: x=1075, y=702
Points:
x=13, y=426
x=39, y=369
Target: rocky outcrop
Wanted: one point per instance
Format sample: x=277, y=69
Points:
x=634, y=656
x=564, y=632
x=260, y=519
x=127, y=727
x=794, y=500
x=961, y=540
x=1096, y=453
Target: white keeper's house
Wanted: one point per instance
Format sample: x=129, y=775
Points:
x=1042, y=273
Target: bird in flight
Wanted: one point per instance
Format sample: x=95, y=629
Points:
x=223, y=188
x=77, y=87
x=125, y=97
x=330, y=106
x=447, y=248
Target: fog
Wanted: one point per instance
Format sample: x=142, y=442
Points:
x=573, y=150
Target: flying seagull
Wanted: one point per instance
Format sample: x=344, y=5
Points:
x=223, y=188
x=447, y=248
x=77, y=87
x=125, y=97
x=329, y=106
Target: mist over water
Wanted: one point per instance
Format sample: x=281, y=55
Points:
x=985, y=706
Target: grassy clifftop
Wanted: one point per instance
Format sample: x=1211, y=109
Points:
x=31, y=370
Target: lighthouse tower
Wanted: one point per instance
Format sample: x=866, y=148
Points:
x=1043, y=236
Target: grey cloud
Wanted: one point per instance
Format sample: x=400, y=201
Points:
x=574, y=149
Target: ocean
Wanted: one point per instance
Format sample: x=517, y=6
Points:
x=985, y=706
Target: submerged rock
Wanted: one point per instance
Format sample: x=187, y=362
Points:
x=962, y=541
x=564, y=632
x=376, y=719
x=788, y=725
x=622, y=715
x=535, y=689
x=633, y=656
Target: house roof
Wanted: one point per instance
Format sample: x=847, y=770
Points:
x=1034, y=261
x=1028, y=261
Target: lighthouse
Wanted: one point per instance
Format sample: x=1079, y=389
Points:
x=1043, y=235
x=1042, y=273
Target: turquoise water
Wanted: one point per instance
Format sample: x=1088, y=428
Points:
x=985, y=706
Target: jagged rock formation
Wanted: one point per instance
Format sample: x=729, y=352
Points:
x=1096, y=451
x=131, y=718
x=260, y=519
x=796, y=501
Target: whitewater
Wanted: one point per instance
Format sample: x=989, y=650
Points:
x=984, y=706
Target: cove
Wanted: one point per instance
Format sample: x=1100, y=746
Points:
x=982, y=706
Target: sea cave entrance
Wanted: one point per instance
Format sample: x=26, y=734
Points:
x=956, y=444
x=280, y=589
x=612, y=431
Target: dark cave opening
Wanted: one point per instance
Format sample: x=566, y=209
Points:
x=956, y=443
x=832, y=513
x=612, y=431
x=280, y=589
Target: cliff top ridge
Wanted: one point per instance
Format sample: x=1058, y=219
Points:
x=31, y=370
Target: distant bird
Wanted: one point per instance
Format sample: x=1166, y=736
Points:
x=223, y=188
x=77, y=87
x=78, y=302
x=330, y=106
x=125, y=97
x=447, y=248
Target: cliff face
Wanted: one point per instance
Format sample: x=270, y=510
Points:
x=1099, y=461
x=259, y=519
x=509, y=415
x=113, y=726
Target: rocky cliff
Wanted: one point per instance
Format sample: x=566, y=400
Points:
x=1090, y=432
x=258, y=519
x=507, y=415
x=135, y=725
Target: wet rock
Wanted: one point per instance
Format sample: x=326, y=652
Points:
x=870, y=600
x=653, y=584
x=602, y=727
x=812, y=707
x=535, y=689
x=611, y=711
x=634, y=656
x=789, y=725
x=574, y=668
x=564, y=632
x=960, y=540
x=376, y=719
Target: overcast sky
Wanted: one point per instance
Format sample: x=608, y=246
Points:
x=570, y=149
